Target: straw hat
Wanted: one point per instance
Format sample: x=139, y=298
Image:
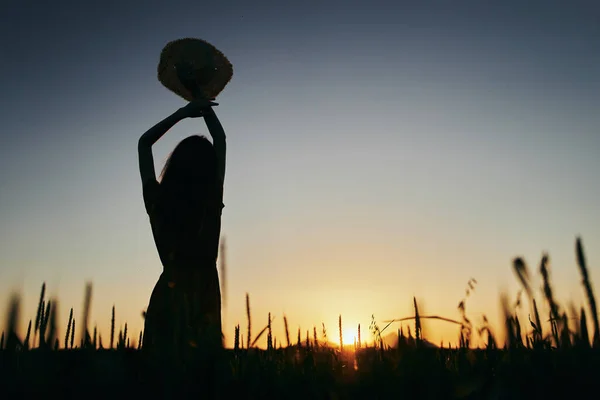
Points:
x=193, y=67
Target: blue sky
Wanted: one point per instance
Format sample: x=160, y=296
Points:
x=376, y=151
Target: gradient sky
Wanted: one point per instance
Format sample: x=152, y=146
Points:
x=376, y=151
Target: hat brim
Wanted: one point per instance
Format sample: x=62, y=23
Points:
x=211, y=69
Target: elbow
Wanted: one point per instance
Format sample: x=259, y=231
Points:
x=142, y=144
x=220, y=138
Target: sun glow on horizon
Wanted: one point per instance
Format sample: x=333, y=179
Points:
x=349, y=336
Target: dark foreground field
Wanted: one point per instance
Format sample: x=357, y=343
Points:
x=309, y=374
x=550, y=355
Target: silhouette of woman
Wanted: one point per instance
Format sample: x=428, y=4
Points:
x=185, y=215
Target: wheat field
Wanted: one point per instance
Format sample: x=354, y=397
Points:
x=549, y=356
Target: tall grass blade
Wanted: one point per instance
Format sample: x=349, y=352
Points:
x=52, y=323
x=86, y=314
x=287, y=332
x=548, y=293
x=14, y=307
x=68, y=334
x=417, y=323
x=538, y=322
x=40, y=309
x=583, y=330
x=581, y=261
x=341, y=333
x=112, y=328
x=249, y=339
x=223, y=268
x=260, y=334
x=522, y=273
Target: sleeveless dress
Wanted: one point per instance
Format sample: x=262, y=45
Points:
x=185, y=306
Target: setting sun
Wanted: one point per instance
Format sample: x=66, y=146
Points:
x=350, y=335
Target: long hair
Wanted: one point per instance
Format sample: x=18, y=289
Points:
x=189, y=179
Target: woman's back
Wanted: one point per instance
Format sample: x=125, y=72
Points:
x=184, y=240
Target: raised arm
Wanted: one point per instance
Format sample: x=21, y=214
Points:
x=146, y=160
x=218, y=135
